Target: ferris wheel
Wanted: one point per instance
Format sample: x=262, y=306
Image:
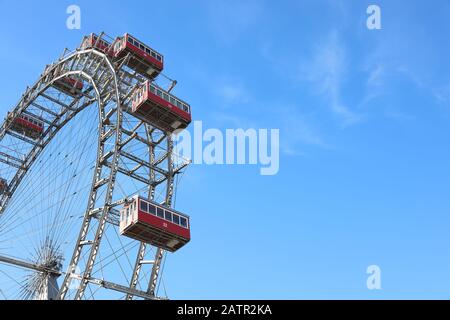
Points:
x=88, y=174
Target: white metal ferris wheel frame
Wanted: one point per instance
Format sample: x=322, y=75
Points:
x=111, y=87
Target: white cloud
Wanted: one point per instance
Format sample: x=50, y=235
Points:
x=233, y=93
x=297, y=131
x=442, y=94
x=398, y=116
x=325, y=72
x=375, y=77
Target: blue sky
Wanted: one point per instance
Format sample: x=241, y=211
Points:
x=364, y=127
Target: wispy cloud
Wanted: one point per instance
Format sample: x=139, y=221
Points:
x=406, y=56
x=398, y=116
x=442, y=93
x=325, y=71
x=412, y=75
x=375, y=76
x=233, y=93
x=297, y=131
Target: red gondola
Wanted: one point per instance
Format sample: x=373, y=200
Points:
x=93, y=40
x=28, y=125
x=70, y=85
x=143, y=59
x=158, y=107
x=146, y=221
x=3, y=185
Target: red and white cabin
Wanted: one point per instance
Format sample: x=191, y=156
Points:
x=93, y=41
x=159, y=108
x=3, y=185
x=70, y=85
x=28, y=126
x=143, y=59
x=149, y=222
